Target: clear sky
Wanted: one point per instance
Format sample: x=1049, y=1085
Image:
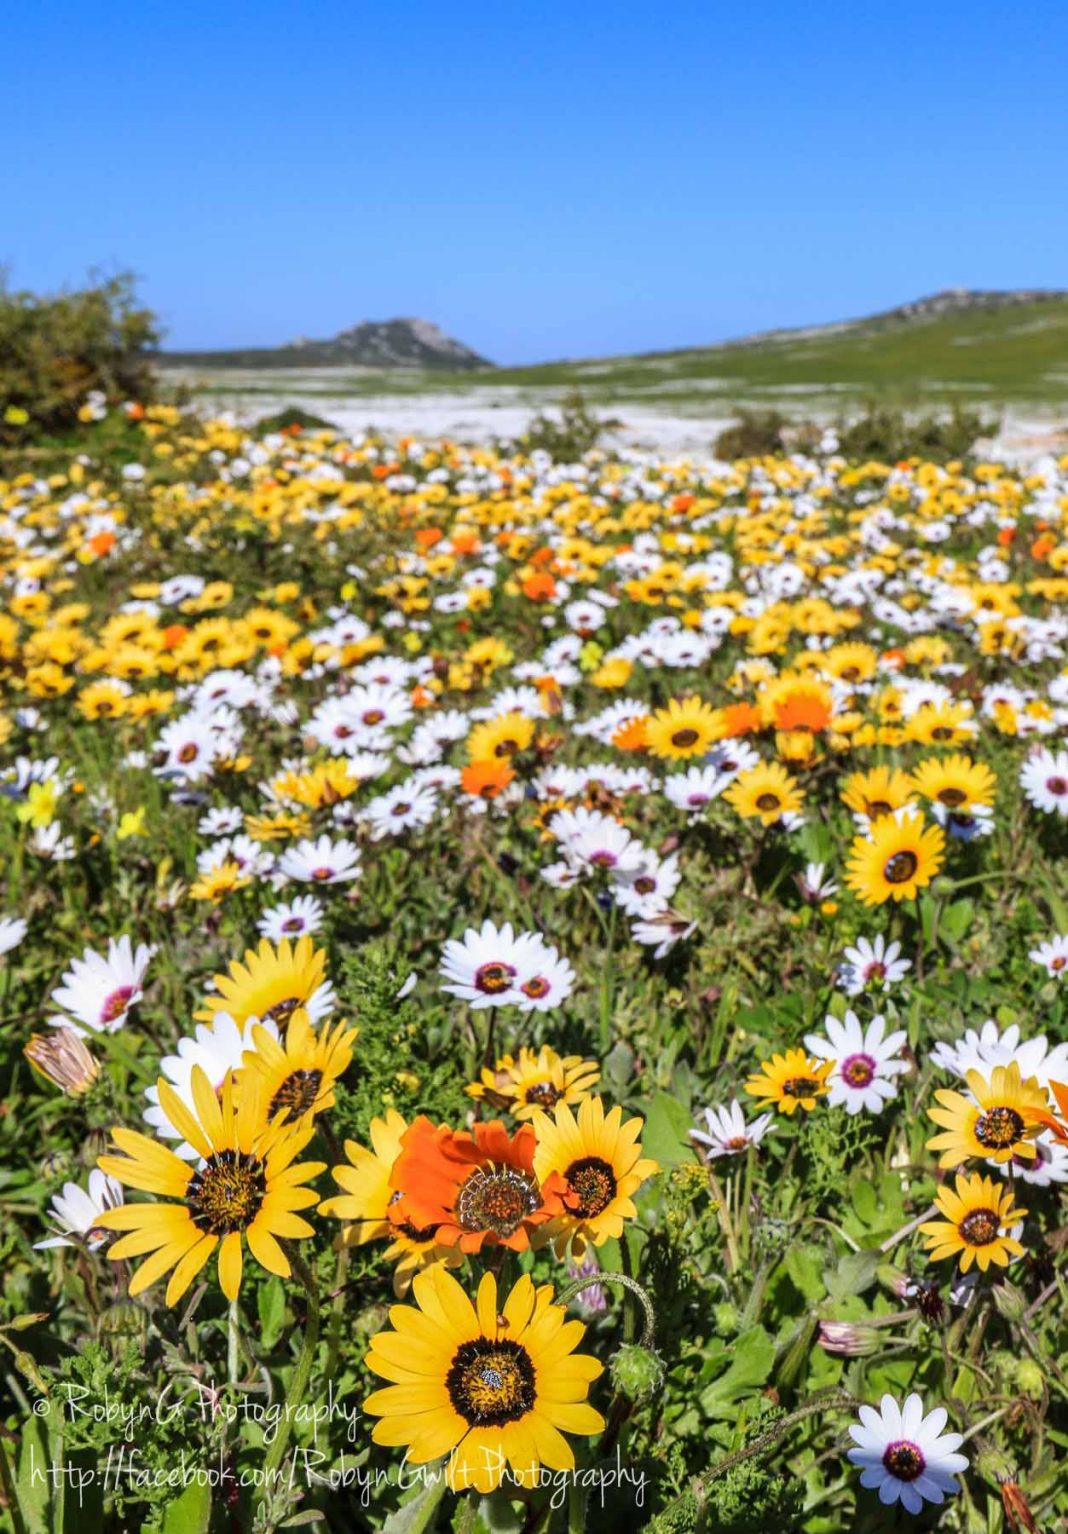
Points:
x=544, y=179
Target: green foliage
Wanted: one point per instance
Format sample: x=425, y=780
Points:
x=55, y=351
x=755, y=434
x=888, y=434
x=568, y=435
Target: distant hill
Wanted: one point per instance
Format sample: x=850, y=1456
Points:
x=994, y=346
x=397, y=343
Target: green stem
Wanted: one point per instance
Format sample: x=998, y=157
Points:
x=568, y=1292
x=608, y=982
x=301, y=1375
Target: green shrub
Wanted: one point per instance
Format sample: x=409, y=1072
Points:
x=569, y=436
x=57, y=351
x=887, y=433
x=755, y=434
x=285, y=420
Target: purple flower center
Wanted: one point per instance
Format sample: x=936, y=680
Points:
x=904, y=1460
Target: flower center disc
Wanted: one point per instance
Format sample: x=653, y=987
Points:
x=543, y=1094
x=767, y=802
x=684, y=739
x=904, y=1460
x=226, y=1194
x=858, y=1070
x=297, y=1094
x=493, y=978
x=593, y=1186
x=998, y=1128
x=491, y=1383
x=952, y=797
x=800, y=1086
x=116, y=1004
x=282, y=1011
x=980, y=1227
x=900, y=868
x=498, y=1199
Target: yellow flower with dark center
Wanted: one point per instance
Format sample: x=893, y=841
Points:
x=296, y=1076
x=683, y=729
x=271, y=984
x=325, y=784
x=976, y=1219
x=494, y=1385
x=246, y=1186
x=955, y=781
x=996, y=1121
x=219, y=882
x=765, y=792
x=537, y=1080
x=897, y=859
x=365, y=1200
x=790, y=1081
x=878, y=792
x=502, y=737
x=941, y=724
x=600, y=1160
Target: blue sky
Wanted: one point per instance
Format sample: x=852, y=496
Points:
x=542, y=180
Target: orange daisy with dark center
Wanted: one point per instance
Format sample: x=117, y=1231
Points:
x=473, y=1189
x=226, y=1193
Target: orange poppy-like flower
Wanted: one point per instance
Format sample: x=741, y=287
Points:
x=102, y=543
x=803, y=709
x=1006, y=535
x=465, y=543
x=426, y=537
x=472, y=1189
x=173, y=635
x=485, y=780
x=740, y=719
x=539, y=588
x=631, y=736
x=1043, y=546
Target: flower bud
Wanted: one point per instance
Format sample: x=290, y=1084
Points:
x=848, y=1339
x=636, y=1371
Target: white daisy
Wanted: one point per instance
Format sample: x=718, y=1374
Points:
x=645, y=891
x=75, y=1211
x=1053, y=955
x=292, y=918
x=12, y=931
x=728, y=1134
x=217, y=1047
x=1044, y=780
x=401, y=809
x=596, y=840
x=543, y=978
x=874, y=963
x=99, y=991
x=866, y=1063
x=482, y=967
x=321, y=862
x=904, y=1454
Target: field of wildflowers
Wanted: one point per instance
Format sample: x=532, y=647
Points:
x=533, y=993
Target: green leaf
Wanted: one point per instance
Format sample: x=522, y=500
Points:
x=667, y=1130
x=752, y=1359
x=854, y=1273
x=271, y=1304
x=189, y=1513
x=803, y=1269
x=416, y=1515
x=33, y=1485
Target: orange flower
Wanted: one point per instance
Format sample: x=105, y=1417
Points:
x=631, y=736
x=539, y=588
x=426, y=537
x=740, y=719
x=102, y=543
x=173, y=635
x=485, y=780
x=1059, y=1126
x=1006, y=535
x=465, y=543
x=472, y=1189
x=1043, y=546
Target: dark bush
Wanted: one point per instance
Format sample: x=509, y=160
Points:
x=755, y=434
x=286, y=420
x=56, y=351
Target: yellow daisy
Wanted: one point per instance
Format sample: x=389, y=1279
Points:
x=683, y=729
x=248, y=1184
x=790, y=1081
x=897, y=859
x=296, y=1076
x=272, y=984
x=766, y=791
x=538, y=1079
x=995, y=1122
x=975, y=1217
x=599, y=1158
x=491, y=1384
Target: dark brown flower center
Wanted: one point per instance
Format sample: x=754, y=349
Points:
x=296, y=1095
x=997, y=1128
x=543, y=1094
x=900, y=868
x=188, y=752
x=952, y=797
x=768, y=802
x=592, y=1185
x=491, y=1383
x=536, y=987
x=684, y=739
x=800, y=1086
x=942, y=732
x=979, y=1228
x=904, y=1460
x=282, y=1011
x=226, y=1193
x=497, y=1198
